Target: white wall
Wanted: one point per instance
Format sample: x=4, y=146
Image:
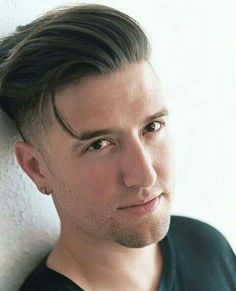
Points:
x=194, y=53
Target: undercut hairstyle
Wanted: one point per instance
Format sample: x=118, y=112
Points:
x=58, y=49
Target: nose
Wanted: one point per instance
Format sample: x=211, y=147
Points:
x=137, y=164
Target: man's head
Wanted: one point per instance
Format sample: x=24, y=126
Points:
x=60, y=48
x=78, y=84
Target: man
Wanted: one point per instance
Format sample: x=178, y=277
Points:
x=80, y=88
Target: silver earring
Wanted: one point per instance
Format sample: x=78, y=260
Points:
x=44, y=190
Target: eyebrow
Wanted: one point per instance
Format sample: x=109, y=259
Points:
x=89, y=134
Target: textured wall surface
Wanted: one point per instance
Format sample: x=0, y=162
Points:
x=28, y=222
x=194, y=48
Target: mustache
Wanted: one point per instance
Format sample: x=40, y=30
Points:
x=145, y=192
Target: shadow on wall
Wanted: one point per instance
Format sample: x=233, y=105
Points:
x=29, y=223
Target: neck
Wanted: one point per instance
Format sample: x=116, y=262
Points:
x=106, y=264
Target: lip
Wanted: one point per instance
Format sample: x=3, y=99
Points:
x=141, y=208
x=141, y=202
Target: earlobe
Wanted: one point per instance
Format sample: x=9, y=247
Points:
x=31, y=162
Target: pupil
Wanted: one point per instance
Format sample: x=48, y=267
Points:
x=97, y=145
x=151, y=127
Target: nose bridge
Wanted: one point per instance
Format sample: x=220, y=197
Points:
x=138, y=167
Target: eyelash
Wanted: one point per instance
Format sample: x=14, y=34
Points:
x=160, y=122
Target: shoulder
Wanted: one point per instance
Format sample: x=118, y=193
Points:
x=181, y=225
x=44, y=279
x=195, y=235
x=203, y=258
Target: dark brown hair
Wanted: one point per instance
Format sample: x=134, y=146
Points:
x=59, y=48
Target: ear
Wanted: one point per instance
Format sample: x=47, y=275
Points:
x=33, y=165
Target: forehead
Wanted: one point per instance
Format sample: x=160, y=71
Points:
x=105, y=98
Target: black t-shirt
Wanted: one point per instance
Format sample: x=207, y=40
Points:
x=196, y=258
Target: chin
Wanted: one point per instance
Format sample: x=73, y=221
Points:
x=150, y=231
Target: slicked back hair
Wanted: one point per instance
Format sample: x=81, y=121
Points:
x=57, y=49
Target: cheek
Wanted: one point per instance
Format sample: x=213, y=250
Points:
x=89, y=195
x=164, y=161
x=99, y=178
x=89, y=181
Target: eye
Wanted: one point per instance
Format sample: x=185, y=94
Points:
x=154, y=126
x=98, y=145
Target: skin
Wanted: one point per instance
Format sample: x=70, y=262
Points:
x=91, y=180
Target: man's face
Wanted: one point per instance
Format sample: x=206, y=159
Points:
x=122, y=158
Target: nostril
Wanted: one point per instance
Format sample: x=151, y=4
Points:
x=139, y=174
